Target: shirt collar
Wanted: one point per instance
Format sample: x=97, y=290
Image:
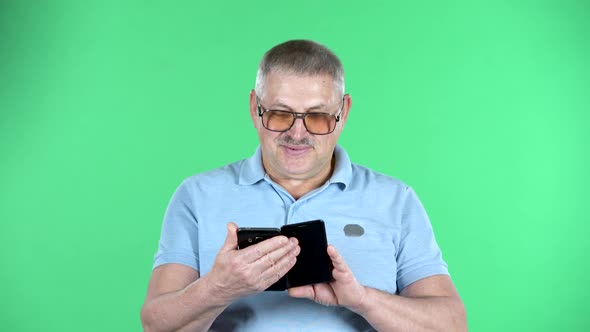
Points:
x=343, y=168
x=252, y=169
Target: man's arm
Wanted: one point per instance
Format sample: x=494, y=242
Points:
x=175, y=300
x=178, y=300
x=429, y=304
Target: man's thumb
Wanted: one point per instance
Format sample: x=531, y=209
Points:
x=231, y=240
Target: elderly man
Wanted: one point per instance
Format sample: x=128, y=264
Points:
x=388, y=273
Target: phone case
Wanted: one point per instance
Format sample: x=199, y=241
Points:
x=313, y=263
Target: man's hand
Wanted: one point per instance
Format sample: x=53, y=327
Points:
x=429, y=304
x=237, y=273
x=344, y=290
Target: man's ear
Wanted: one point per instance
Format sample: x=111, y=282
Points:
x=253, y=108
x=346, y=105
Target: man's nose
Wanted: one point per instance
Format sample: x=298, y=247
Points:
x=298, y=129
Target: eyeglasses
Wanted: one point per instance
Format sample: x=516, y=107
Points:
x=316, y=123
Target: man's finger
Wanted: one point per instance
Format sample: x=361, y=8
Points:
x=324, y=294
x=337, y=260
x=275, y=255
x=279, y=269
x=259, y=250
x=231, y=240
x=302, y=292
x=341, y=271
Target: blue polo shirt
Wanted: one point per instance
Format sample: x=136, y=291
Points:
x=376, y=222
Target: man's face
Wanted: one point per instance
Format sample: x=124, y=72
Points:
x=297, y=154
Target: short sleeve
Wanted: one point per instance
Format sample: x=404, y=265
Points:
x=179, y=240
x=418, y=256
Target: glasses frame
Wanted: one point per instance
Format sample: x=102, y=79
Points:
x=298, y=115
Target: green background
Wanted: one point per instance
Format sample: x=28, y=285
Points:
x=105, y=106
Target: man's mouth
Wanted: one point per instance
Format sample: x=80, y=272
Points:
x=295, y=150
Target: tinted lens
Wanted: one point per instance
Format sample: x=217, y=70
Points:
x=277, y=120
x=316, y=123
x=320, y=123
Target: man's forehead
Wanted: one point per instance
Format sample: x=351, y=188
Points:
x=289, y=85
x=293, y=100
x=289, y=75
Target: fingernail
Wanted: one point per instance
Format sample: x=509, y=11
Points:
x=293, y=240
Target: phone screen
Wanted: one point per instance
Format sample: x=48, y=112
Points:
x=313, y=263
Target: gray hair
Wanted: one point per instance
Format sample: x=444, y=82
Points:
x=300, y=57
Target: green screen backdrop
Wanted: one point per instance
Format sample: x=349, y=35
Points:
x=106, y=106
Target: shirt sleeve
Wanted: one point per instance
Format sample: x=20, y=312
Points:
x=418, y=256
x=179, y=240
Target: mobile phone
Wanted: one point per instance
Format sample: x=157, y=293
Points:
x=313, y=263
x=248, y=236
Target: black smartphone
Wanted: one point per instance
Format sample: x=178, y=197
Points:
x=313, y=263
x=248, y=236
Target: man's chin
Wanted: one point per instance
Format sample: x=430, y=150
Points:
x=297, y=171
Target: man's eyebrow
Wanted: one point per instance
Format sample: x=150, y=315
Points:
x=280, y=104
x=317, y=107
x=320, y=106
